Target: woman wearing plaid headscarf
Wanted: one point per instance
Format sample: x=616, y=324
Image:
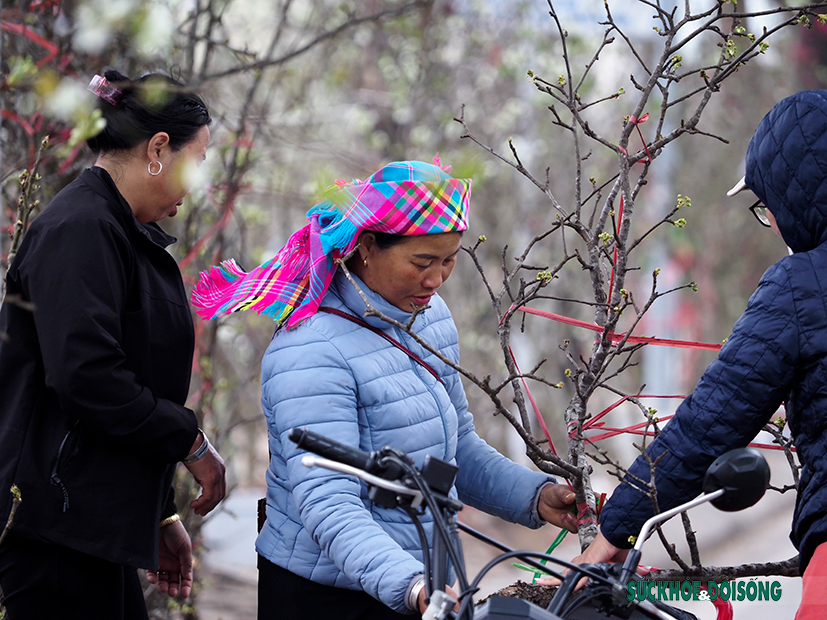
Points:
x=327, y=550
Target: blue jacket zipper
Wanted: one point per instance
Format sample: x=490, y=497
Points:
x=417, y=369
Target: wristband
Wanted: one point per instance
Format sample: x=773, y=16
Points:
x=169, y=520
x=413, y=594
x=200, y=451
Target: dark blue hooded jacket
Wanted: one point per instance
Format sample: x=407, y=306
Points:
x=778, y=348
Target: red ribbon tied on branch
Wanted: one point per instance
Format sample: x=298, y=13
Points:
x=634, y=120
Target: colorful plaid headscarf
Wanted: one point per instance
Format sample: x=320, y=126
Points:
x=403, y=198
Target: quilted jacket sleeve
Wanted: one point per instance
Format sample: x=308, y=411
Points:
x=487, y=480
x=735, y=398
x=317, y=390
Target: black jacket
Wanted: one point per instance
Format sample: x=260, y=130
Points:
x=93, y=380
x=777, y=351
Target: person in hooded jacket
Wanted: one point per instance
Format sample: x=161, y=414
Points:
x=95, y=361
x=777, y=353
x=326, y=549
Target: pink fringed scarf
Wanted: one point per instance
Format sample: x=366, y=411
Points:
x=402, y=198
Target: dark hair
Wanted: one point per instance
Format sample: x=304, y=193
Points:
x=388, y=240
x=150, y=104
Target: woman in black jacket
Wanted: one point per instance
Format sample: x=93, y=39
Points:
x=95, y=370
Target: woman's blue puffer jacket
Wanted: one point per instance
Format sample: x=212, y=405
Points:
x=778, y=348
x=346, y=382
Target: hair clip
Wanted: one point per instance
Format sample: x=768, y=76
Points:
x=105, y=90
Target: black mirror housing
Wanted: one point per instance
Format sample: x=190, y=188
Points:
x=743, y=473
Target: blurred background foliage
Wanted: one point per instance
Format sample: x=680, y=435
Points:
x=303, y=92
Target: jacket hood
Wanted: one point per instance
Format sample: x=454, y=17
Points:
x=786, y=167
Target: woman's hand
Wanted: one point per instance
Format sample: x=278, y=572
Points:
x=174, y=573
x=208, y=472
x=601, y=550
x=555, y=506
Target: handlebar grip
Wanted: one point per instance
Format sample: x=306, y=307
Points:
x=329, y=449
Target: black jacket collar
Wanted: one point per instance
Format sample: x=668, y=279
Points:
x=100, y=181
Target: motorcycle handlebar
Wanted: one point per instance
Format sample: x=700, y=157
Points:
x=333, y=450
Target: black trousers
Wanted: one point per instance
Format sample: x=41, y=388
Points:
x=42, y=581
x=283, y=595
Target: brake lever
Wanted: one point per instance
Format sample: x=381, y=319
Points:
x=395, y=488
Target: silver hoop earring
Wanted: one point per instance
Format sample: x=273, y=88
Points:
x=149, y=168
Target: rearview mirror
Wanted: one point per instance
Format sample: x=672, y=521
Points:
x=743, y=474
